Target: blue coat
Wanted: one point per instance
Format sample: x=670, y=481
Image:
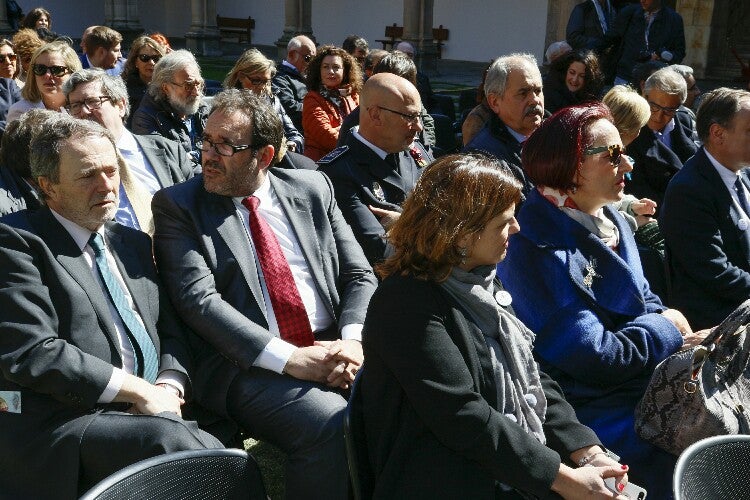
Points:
x=599, y=342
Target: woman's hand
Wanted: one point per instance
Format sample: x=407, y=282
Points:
x=588, y=482
x=644, y=207
x=694, y=338
x=678, y=320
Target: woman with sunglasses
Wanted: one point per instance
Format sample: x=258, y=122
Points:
x=144, y=53
x=253, y=71
x=9, y=67
x=576, y=280
x=51, y=65
x=334, y=80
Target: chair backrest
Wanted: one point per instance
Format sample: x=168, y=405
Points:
x=360, y=470
x=197, y=474
x=712, y=468
x=445, y=136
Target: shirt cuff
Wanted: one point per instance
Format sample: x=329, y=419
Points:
x=174, y=378
x=352, y=332
x=275, y=355
x=113, y=386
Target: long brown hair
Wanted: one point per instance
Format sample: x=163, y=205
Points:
x=352, y=71
x=456, y=196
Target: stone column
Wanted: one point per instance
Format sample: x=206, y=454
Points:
x=203, y=37
x=297, y=21
x=697, y=17
x=122, y=16
x=5, y=28
x=418, y=16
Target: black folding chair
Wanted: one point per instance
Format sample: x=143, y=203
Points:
x=212, y=474
x=714, y=468
x=360, y=471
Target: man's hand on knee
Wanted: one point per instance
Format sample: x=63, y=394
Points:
x=148, y=399
x=308, y=363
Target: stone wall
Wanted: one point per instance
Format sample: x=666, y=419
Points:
x=697, y=16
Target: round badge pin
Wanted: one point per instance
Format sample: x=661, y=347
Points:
x=503, y=298
x=742, y=224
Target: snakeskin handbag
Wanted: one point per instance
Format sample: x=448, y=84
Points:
x=702, y=391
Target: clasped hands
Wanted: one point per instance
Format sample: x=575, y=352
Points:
x=334, y=363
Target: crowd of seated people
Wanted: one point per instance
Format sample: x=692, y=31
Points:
x=181, y=272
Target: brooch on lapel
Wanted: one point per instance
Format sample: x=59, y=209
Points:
x=418, y=158
x=378, y=191
x=591, y=273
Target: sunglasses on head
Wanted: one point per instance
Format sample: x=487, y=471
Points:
x=615, y=153
x=8, y=57
x=147, y=58
x=41, y=69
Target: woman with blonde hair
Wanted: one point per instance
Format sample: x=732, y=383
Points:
x=253, y=71
x=144, y=53
x=629, y=109
x=51, y=65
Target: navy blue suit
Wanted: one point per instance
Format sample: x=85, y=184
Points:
x=709, y=252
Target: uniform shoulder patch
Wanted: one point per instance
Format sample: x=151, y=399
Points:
x=333, y=155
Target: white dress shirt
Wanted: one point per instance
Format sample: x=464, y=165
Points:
x=277, y=352
x=81, y=236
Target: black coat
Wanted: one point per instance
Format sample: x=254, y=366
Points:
x=429, y=401
x=157, y=116
x=289, y=86
x=15, y=193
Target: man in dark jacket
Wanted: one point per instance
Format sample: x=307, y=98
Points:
x=588, y=22
x=514, y=92
x=646, y=31
x=289, y=82
x=173, y=107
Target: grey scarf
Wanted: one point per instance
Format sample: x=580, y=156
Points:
x=519, y=390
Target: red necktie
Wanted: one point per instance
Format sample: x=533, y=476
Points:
x=288, y=308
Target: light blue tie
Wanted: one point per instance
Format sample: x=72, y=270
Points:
x=137, y=334
x=741, y=196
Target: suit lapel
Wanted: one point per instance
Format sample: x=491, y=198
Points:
x=158, y=161
x=299, y=212
x=71, y=258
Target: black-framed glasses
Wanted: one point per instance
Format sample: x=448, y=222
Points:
x=308, y=57
x=146, y=58
x=667, y=111
x=8, y=57
x=57, y=71
x=223, y=148
x=256, y=82
x=90, y=103
x=410, y=119
x=615, y=153
x=190, y=86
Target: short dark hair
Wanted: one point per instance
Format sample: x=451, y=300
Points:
x=718, y=106
x=102, y=36
x=553, y=154
x=399, y=64
x=264, y=121
x=14, y=147
x=354, y=42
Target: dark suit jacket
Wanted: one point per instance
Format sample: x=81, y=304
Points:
x=15, y=193
x=154, y=116
x=430, y=404
x=58, y=345
x=295, y=160
x=361, y=178
x=9, y=95
x=709, y=253
x=584, y=31
x=171, y=163
x=207, y=262
x=655, y=163
x=289, y=86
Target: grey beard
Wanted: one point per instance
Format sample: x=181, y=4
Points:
x=184, y=107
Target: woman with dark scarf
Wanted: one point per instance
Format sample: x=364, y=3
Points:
x=334, y=81
x=454, y=404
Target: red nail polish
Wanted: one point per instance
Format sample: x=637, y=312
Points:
x=620, y=487
x=624, y=467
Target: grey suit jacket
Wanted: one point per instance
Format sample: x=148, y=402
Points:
x=205, y=258
x=170, y=161
x=58, y=345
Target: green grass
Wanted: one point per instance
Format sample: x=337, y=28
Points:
x=272, y=463
x=214, y=68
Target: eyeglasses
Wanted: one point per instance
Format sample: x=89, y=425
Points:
x=308, y=57
x=8, y=57
x=667, y=111
x=90, y=103
x=410, y=119
x=615, y=153
x=190, y=86
x=146, y=58
x=223, y=148
x=56, y=71
x=256, y=82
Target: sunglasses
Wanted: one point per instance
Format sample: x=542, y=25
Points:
x=257, y=82
x=146, y=58
x=667, y=111
x=8, y=57
x=615, y=153
x=308, y=58
x=41, y=69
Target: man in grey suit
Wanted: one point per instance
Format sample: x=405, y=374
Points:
x=261, y=264
x=153, y=162
x=93, y=362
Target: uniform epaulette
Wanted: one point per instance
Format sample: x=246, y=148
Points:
x=333, y=155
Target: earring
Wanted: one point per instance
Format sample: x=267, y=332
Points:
x=462, y=252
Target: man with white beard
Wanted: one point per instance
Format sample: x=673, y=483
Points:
x=173, y=107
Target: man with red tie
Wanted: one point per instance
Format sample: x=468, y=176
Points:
x=260, y=263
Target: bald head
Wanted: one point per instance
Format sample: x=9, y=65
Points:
x=389, y=112
x=407, y=49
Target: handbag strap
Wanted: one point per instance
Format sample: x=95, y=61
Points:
x=736, y=319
